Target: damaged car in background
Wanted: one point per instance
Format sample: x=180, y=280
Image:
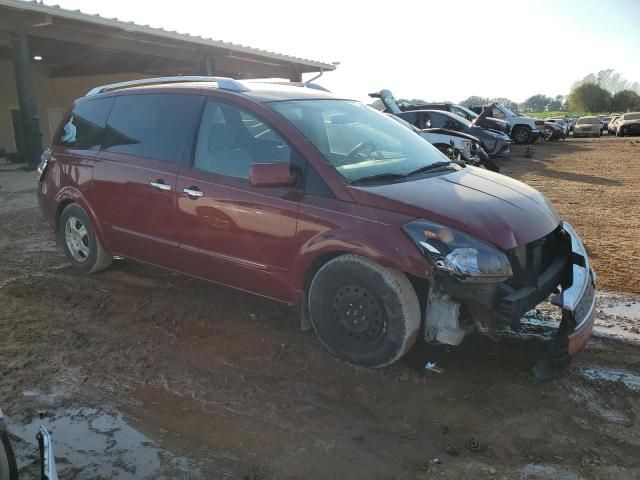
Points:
x=456, y=146
x=628, y=124
x=523, y=129
x=494, y=142
x=554, y=130
x=314, y=201
x=482, y=121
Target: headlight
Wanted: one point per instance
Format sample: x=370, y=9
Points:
x=459, y=254
x=44, y=161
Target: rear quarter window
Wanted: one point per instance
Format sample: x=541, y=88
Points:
x=158, y=126
x=85, y=127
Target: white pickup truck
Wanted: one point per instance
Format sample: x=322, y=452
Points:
x=523, y=129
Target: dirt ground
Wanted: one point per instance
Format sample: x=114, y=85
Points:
x=595, y=184
x=142, y=373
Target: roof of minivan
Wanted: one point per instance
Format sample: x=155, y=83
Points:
x=271, y=92
x=259, y=91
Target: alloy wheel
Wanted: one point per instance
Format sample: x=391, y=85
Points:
x=76, y=237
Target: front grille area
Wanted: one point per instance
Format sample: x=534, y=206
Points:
x=538, y=268
x=530, y=261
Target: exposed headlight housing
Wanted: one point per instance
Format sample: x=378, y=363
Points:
x=44, y=161
x=459, y=254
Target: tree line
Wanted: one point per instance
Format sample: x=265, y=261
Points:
x=601, y=92
x=605, y=91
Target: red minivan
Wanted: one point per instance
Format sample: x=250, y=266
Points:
x=315, y=201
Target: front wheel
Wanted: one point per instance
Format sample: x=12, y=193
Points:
x=522, y=134
x=80, y=242
x=362, y=312
x=8, y=466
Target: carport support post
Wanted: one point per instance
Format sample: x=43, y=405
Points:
x=295, y=75
x=209, y=66
x=23, y=70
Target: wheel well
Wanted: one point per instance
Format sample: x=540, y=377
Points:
x=317, y=265
x=61, y=206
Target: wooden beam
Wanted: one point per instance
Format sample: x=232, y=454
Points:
x=23, y=70
x=252, y=68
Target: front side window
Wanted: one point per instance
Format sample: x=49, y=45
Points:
x=85, y=127
x=231, y=139
x=463, y=112
x=452, y=124
x=358, y=141
x=497, y=113
x=157, y=126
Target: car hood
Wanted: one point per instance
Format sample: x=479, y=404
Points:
x=493, y=207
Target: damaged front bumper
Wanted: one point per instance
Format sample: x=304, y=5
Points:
x=578, y=300
x=455, y=308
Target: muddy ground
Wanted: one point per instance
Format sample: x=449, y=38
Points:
x=142, y=373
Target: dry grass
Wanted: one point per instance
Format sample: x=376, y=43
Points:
x=595, y=185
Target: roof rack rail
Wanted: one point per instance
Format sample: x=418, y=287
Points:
x=224, y=83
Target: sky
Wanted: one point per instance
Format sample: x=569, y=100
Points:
x=444, y=50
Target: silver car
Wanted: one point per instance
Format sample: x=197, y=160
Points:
x=587, y=127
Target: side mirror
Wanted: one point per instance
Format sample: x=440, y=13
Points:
x=276, y=174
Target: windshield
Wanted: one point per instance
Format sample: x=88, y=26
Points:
x=509, y=112
x=357, y=140
x=631, y=116
x=588, y=120
x=464, y=112
x=447, y=118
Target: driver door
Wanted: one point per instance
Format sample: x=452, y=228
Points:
x=230, y=232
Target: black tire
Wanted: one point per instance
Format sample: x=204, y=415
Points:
x=8, y=466
x=362, y=312
x=84, y=250
x=620, y=132
x=521, y=134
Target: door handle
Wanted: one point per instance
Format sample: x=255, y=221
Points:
x=193, y=192
x=161, y=186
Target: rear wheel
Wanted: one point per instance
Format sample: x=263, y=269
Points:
x=80, y=242
x=522, y=134
x=362, y=312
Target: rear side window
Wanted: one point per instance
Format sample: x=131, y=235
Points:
x=158, y=126
x=85, y=127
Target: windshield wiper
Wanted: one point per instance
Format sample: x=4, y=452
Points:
x=377, y=178
x=431, y=168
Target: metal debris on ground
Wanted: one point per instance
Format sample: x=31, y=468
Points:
x=452, y=450
x=473, y=445
x=433, y=366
